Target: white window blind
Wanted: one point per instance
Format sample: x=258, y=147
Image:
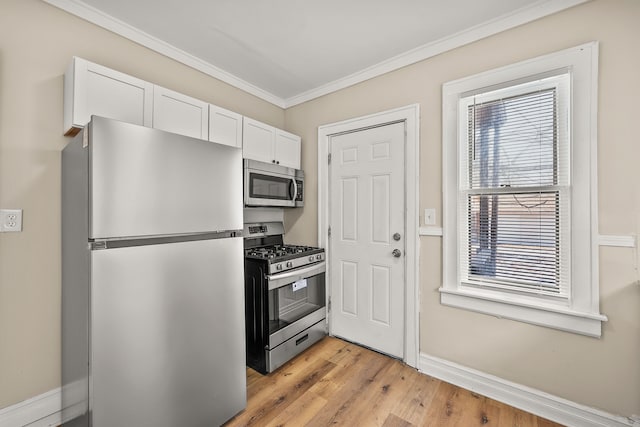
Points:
x=514, y=199
x=520, y=202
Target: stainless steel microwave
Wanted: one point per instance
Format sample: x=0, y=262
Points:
x=271, y=185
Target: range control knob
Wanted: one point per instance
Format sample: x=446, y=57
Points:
x=289, y=264
x=311, y=258
x=278, y=266
x=319, y=256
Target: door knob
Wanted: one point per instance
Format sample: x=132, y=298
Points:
x=396, y=253
x=396, y=236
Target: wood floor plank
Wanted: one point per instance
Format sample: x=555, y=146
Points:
x=395, y=421
x=347, y=400
x=350, y=361
x=303, y=412
x=339, y=383
x=391, y=388
x=289, y=385
x=416, y=402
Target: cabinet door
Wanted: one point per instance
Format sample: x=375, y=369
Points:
x=287, y=149
x=225, y=127
x=91, y=89
x=181, y=114
x=257, y=140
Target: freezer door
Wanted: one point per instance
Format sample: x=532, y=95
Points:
x=148, y=182
x=167, y=334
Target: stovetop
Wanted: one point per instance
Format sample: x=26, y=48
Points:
x=277, y=253
x=264, y=244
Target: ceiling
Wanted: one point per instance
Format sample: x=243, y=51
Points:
x=290, y=51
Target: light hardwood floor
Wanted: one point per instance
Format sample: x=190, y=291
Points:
x=338, y=383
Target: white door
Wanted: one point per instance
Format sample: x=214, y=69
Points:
x=367, y=243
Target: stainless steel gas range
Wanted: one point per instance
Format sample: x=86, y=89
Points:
x=284, y=296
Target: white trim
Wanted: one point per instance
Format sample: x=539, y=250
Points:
x=108, y=22
x=430, y=231
x=411, y=116
x=582, y=63
x=618, y=241
x=528, y=399
x=519, y=17
x=39, y=411
x=536, y=313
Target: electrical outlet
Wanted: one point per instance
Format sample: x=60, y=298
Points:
x=10, y=220
x=430, y=216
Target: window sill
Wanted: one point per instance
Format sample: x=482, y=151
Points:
x=551, y=316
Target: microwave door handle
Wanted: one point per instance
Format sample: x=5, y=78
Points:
x=295, y=189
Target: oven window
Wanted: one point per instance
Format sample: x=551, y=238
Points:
x=269, y=187
x=292, y=302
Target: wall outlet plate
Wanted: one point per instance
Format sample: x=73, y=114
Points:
x=10, y=220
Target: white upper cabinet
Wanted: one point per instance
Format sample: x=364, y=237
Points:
x=258, y=140
x=287, y=149
x=181, y=114
x=225, y=127
x=91, y=89
x=265, y=143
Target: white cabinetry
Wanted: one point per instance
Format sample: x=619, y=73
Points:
x=286, y=149
x=257, y=140
x=225, y=127
x=91, y=89
x=265, y=143
x=178, y=113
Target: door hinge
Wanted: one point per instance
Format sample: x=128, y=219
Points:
x=329, y=305
x=329, y=231
x=329, y=158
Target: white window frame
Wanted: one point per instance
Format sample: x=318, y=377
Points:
x=579, y=312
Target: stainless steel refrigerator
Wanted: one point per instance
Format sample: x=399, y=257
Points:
x=152, y=279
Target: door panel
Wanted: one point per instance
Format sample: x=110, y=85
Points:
x=148, y=182
x=366, y=209
x=380, y=215
x=167, y=334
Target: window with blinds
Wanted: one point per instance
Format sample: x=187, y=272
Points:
x=514, y=188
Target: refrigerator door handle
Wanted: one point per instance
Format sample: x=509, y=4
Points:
x=99, y=244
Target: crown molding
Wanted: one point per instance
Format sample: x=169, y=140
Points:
x=108, y=22
x=519, y=17
x=522, y=16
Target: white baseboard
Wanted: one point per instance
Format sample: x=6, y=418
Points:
x=522, y=397
x=44, y=410
x=39, y=411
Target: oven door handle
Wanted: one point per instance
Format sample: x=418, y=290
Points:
x=282, y=279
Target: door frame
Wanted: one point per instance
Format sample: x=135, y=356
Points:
x=410, y=115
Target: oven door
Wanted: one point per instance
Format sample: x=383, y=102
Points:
x=296, y=300
x=265, y=188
